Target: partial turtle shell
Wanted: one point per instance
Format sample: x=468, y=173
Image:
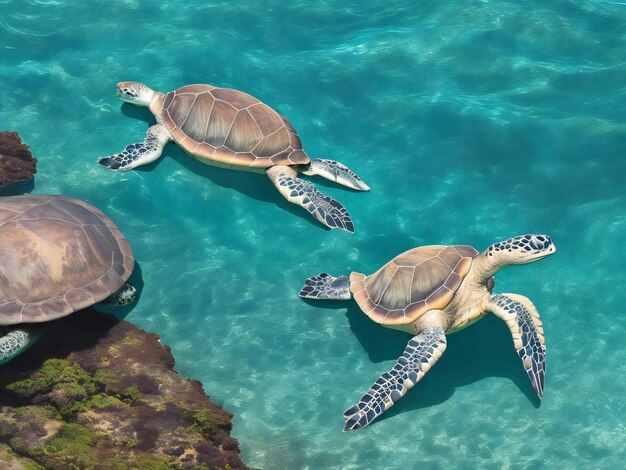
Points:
x=58, y=255
x=413, y=283
x=230, y=127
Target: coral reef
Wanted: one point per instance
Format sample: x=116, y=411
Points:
x=16, y=162
x=100, y=393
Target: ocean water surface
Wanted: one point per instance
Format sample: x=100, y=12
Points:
x=472, y=121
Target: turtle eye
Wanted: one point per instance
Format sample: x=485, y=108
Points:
x=540, y=242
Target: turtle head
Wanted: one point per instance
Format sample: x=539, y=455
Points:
x=521, y=250
x=135, y=93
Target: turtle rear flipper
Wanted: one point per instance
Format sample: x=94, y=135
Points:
x=325, y=286
x=126, y=295
x=419, y=356
x=14, y=341
x=324, y=208
x=335, y=171
x=141, y=153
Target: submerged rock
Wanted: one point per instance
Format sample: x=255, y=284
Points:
x=96, y=392
x=16, y=162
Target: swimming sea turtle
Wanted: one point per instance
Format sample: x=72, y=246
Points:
x=231, y=129
x=432, y=291
x=58, y=255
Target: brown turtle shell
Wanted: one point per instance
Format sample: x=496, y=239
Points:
x=58, y=255
x=230, y=128
x=412, y=283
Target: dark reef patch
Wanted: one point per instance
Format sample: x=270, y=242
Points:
x=16, y=162
x=96, y=392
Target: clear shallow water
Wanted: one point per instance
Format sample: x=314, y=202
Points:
x=471, y=121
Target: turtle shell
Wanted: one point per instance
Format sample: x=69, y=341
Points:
x=58, y=255
x=412, y=283
x=231, y=128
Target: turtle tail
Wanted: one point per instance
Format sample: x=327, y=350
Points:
x=325, y=286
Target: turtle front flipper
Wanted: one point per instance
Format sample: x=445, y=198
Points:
x=324, y=208
x=14, y=341
x=325, y=286
x=126, y=295
x=522, y=318
x=141, y=153
x=337, y=172
x=419, y=356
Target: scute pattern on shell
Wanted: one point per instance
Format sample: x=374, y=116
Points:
x=230, y=127
x=58, y=255
x=414, y=282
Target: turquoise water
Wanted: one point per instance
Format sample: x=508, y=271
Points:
x=472, y=121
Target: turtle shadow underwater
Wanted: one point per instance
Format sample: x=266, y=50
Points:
x=80, y=330
x=250, y=184
x=483, y=350
x=18, y=188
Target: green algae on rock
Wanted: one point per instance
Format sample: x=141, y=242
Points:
x=101, y=393
x=10, y=460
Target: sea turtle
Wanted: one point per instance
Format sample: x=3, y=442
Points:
x=432, y=291
x=231, y=129
x=58, y=255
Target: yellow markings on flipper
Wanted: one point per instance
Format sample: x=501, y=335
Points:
x=525, y=301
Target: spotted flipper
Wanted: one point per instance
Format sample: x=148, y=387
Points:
x=337, y=172
x=325, y=286
x=14, y=341
x=141, y=153
x=324, y=208
x=522, y=318
x=126, y=295
x=419, y=356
